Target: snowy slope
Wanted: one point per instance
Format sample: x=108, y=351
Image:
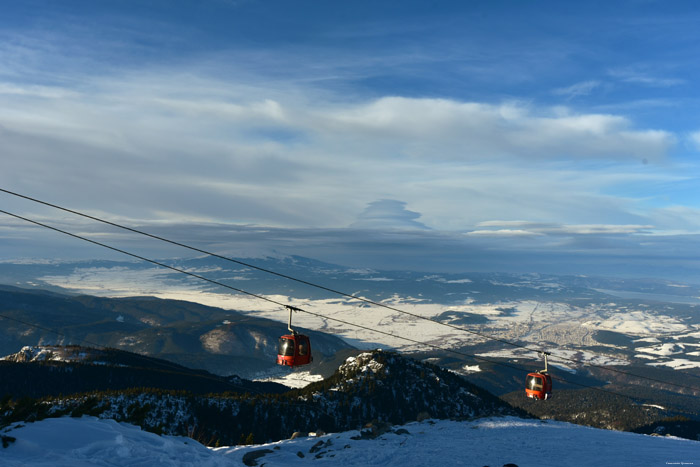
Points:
x=494, y=441
x=88, y=442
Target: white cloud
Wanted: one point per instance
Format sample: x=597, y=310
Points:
x=639, y=76
x=387, y=214
x=694, y=139
x=602, y=229
x=678, y=219
x=49, y=92
x=583, y=88
x=449, y=129
x=505, y=228
x=502, y=233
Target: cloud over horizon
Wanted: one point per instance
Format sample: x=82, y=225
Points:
x=387, y=214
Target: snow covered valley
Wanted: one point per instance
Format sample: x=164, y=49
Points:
x=619, y=319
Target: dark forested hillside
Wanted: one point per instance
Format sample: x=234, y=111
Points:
x=88, y=369
x=378, y=387
x=628, y=408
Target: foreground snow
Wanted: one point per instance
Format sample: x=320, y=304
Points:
x=88, y=441
x=496, y=441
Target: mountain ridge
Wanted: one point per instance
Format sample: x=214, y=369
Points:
x=194, y=335
x=379, y=387
x=49, y=371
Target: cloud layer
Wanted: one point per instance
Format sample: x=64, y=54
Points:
x=201, y=149
x=333, y=123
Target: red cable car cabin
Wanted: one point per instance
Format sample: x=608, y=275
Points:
x=538, y=386
x=294, y=350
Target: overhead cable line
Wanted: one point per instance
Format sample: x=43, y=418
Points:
x=414, y=341
x=328, y=289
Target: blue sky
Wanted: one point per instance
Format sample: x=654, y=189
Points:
x=491, y=134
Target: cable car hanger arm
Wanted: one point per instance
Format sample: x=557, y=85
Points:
x=289, y=325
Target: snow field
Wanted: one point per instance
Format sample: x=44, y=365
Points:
x=639, y=323
x=89, y=441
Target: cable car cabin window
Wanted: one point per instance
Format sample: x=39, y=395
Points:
x=286, y=347
x=303, y=347
x=534, y=383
